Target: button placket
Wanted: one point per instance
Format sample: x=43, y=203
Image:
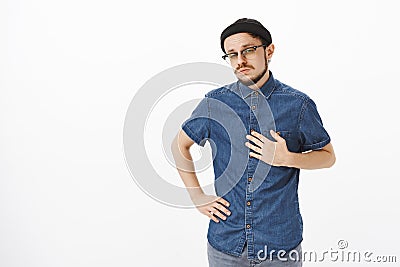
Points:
x=253, y=125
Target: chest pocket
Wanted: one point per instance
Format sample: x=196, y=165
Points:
x=292, y=139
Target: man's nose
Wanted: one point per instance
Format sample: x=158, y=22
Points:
x=241, y=59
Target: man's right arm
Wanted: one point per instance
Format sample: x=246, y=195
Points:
x=209, y=205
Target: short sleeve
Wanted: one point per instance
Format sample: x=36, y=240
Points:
x=197, y=127
x=313, y=134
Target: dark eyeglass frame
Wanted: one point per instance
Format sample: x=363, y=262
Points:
x=228, y=55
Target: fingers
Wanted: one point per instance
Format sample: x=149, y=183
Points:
x=258, y=135
x=215, y=214
x=262, y=139
x=255, y=140
x=210, y=214
x=223, y=202
x=254, y=148
x=222, y=208
x=276, y=136
x=258, y=138
x=255, y=155
x=217, y=210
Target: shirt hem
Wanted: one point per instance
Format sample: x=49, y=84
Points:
x=223, y=251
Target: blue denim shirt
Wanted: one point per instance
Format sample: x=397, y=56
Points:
x=263, y=199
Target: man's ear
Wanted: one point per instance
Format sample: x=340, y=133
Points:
x=269, y=51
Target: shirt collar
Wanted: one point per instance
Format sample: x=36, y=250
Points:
x=266, y=90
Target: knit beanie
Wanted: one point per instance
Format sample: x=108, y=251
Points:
x=249, y=26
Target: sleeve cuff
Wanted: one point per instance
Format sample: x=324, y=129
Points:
x=193, y=136
x=316, y=146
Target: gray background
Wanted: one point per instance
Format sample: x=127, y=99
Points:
x=69, y=69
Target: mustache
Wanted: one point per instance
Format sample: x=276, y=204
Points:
x=244, y=66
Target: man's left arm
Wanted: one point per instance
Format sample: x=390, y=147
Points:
x=277, y=153
x=315, y=159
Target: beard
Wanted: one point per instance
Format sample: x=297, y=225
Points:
x=248, y=81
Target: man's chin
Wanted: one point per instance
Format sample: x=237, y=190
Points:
x=245, y=80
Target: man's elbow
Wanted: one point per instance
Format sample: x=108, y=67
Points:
x=331, y=160
x=175, y=147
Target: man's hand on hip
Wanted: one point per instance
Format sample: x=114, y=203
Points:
x=212, y=206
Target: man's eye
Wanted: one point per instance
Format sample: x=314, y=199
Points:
x=233, y=55
x=249, y=50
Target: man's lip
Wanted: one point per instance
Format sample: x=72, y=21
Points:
x=244, y=70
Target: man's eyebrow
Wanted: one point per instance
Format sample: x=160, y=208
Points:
x=245, y=45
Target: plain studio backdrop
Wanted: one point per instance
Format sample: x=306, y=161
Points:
x=69, y=70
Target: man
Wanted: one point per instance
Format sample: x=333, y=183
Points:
x=262, y=132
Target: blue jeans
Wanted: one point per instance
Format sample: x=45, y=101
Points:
x=219, y=259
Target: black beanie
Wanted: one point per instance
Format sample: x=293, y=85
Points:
x=246, y=25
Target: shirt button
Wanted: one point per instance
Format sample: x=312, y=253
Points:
x=248, y=226
x=248, y=203
x=249, y=179
x=253, y=107
x=256, y=93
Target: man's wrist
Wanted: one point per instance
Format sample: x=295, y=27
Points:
x=291, y=160
x=195, y=192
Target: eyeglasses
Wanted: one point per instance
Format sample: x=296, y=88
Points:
x=248, y=53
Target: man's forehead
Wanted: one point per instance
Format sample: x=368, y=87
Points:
x=240, y=40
